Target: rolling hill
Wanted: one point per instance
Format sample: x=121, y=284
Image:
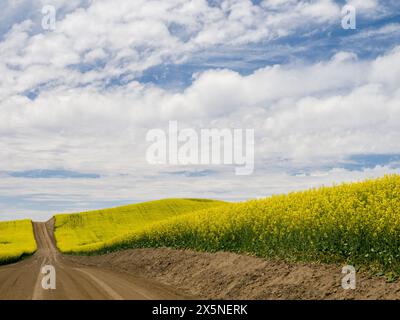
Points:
x=357, y=223
x=88, y=231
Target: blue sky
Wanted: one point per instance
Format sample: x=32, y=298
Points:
x=76, y=102
x=306, y=45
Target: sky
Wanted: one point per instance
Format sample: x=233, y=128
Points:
x=77, y=101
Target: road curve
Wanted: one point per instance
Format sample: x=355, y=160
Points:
x=23, y=280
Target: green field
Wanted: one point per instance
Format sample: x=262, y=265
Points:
x=357, y=223
x=88, y=231
x=16, y=240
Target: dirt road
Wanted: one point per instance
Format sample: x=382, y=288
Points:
x=179, y=274
x=23, y=280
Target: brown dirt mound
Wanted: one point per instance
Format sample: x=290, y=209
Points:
x=231, y=276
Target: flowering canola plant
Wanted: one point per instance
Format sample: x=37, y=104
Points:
x=85, y=232
x=357, y=223
x=16, y=240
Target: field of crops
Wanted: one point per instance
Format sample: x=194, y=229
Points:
x=16, y=240
x=88, y=231
x=358, y=223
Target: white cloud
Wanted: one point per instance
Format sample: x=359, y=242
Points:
x=131, y=36
x=364, y=4
x=297, y=110
x=304, y=114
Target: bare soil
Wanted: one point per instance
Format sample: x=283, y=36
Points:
x=231, y=276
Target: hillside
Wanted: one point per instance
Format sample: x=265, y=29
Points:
x=357, y=223
x=83, y=232
x=16, y=240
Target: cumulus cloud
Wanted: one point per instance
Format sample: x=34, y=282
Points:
x=297, y=110
x=72, y=100
x=109, y=39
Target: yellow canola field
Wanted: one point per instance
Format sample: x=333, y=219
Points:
x=88, y=231
x=357, y=223
x=16, y=240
